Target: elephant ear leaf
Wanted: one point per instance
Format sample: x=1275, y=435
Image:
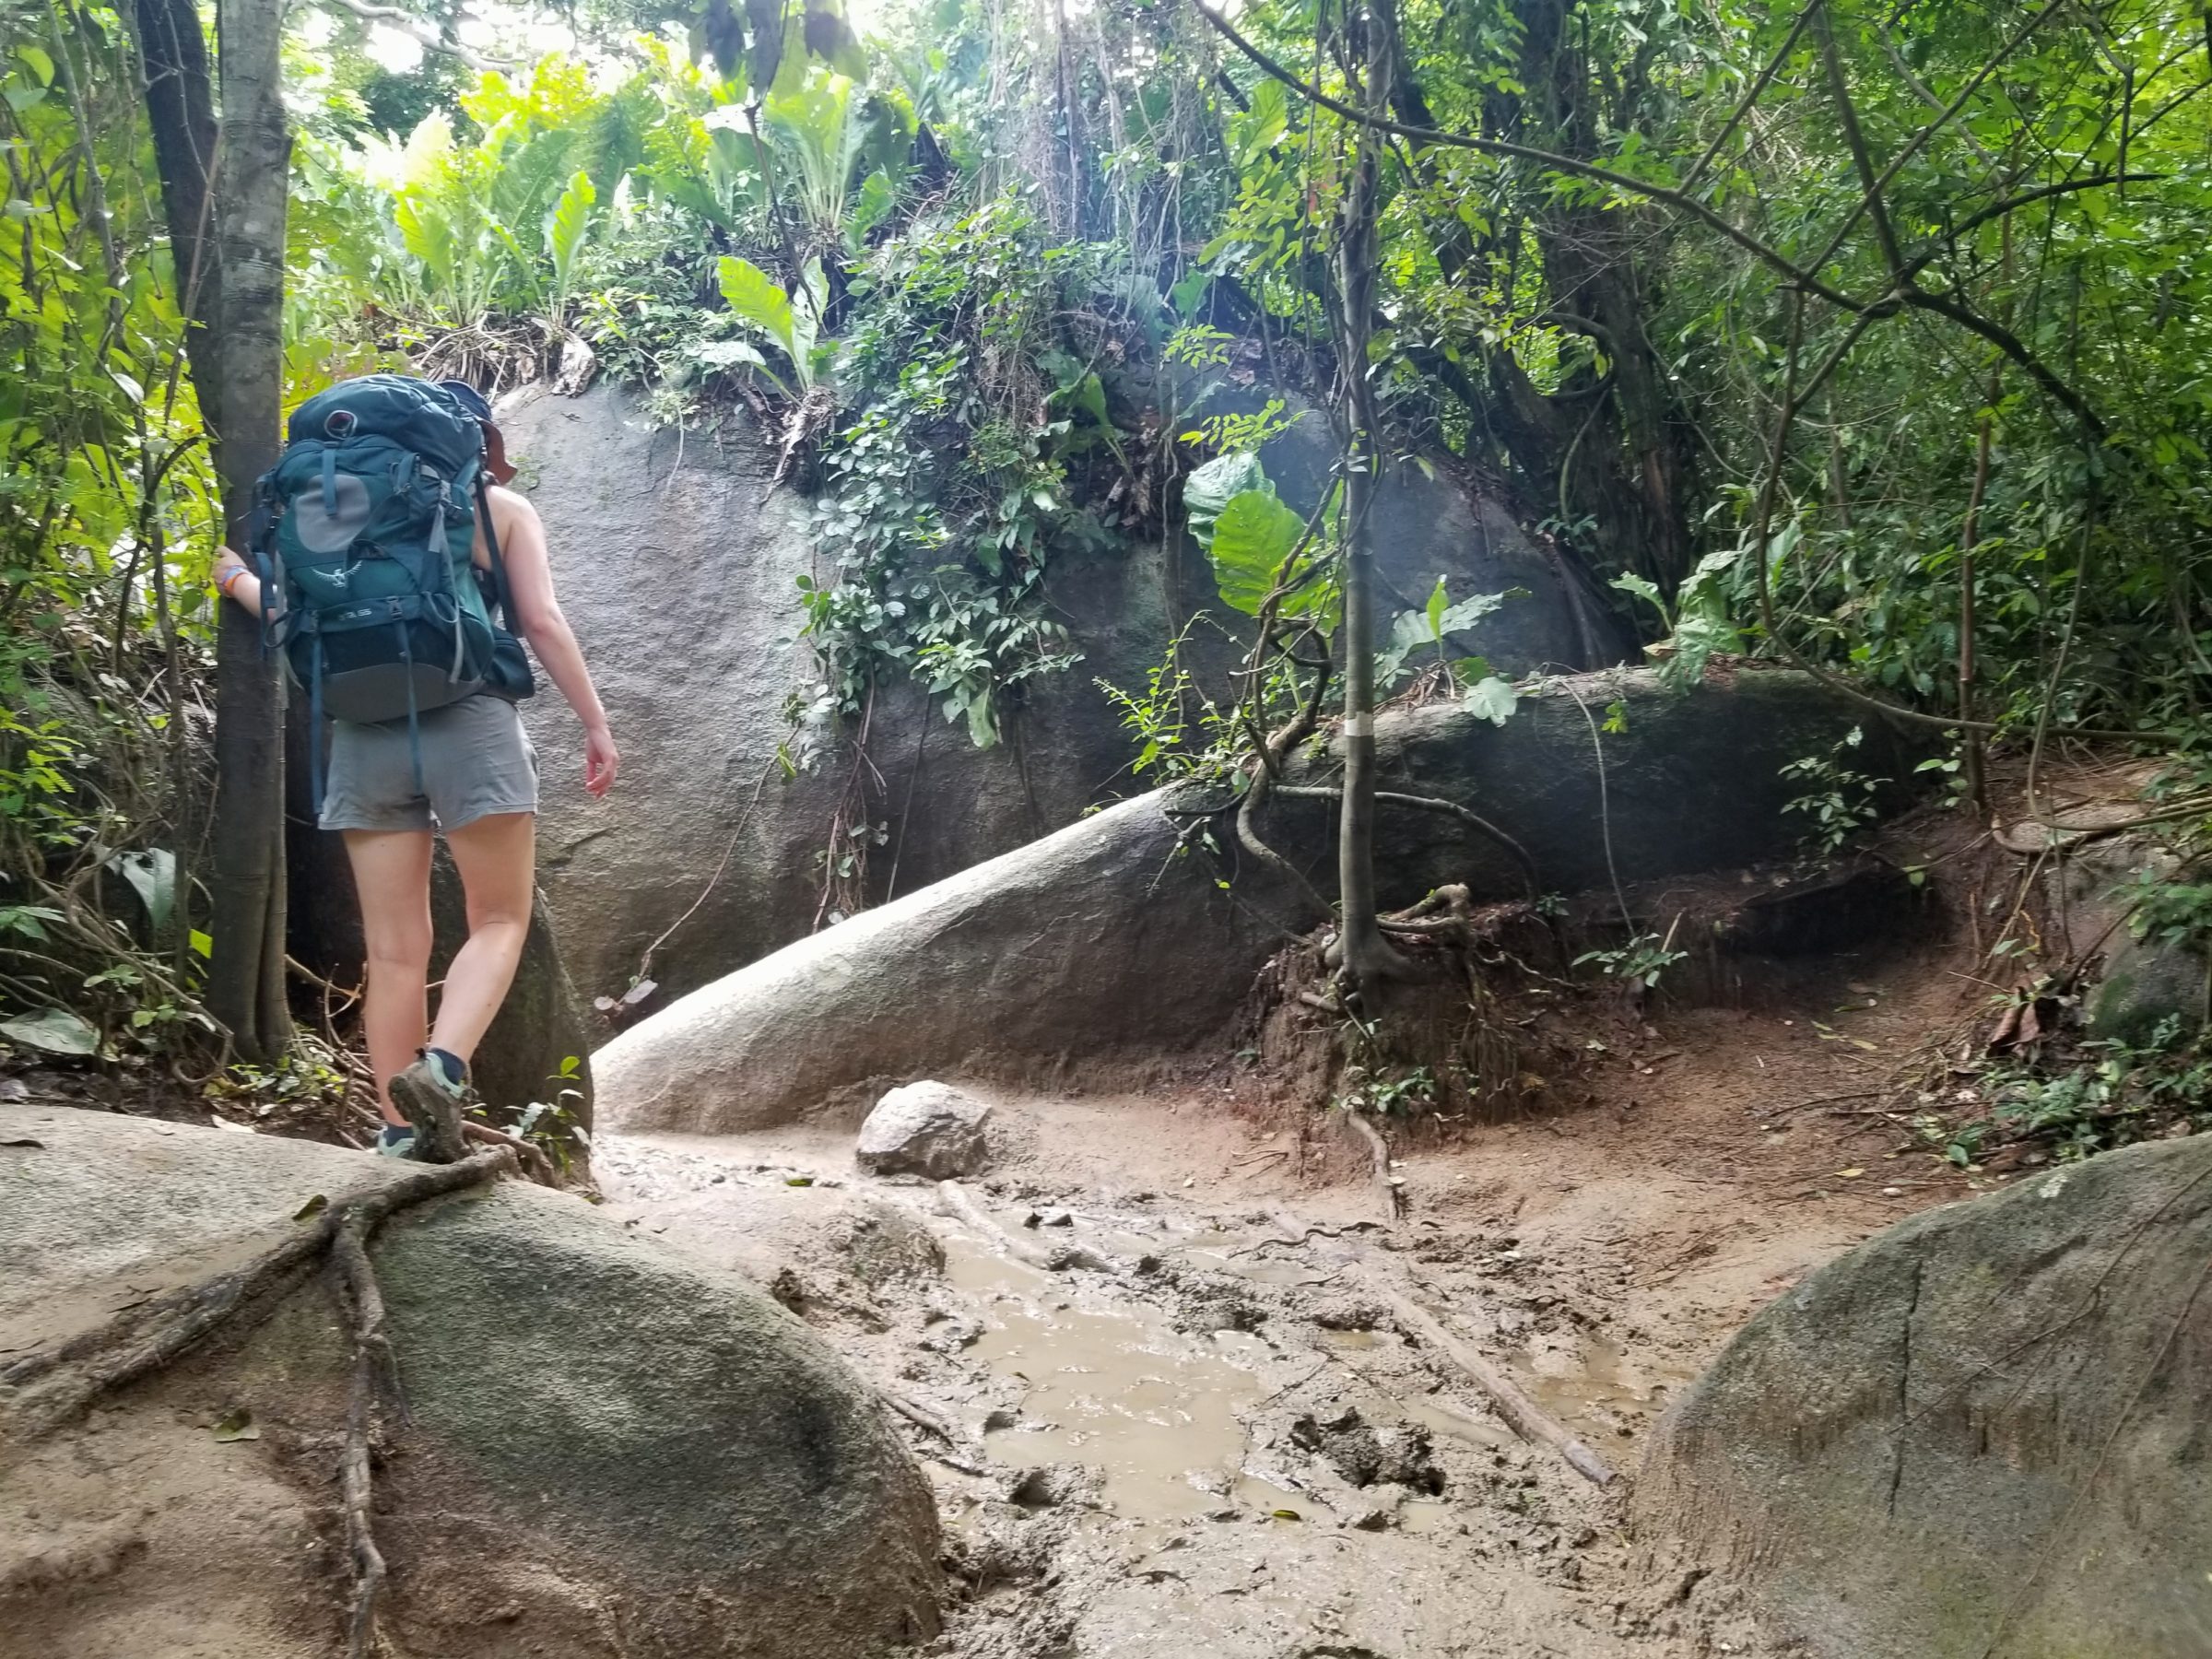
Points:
x=766, y=20
x=1493, y=699
x=1253, y=535
x=870, y=207
x=52, y=1032
x=721, y=33
x=1211, y=488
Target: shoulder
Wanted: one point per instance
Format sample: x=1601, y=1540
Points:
x=511, y=507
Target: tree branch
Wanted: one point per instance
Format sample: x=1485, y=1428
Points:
x=420, y=32
x=1498, y=147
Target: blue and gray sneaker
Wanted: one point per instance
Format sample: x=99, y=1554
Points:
x=396, y=1141
x=433, y=1092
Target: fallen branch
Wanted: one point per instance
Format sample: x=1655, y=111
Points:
x=923, y=1418
x=956, y=1202
x=1528, y=1419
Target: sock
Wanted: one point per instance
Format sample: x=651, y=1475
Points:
x=449, y=1068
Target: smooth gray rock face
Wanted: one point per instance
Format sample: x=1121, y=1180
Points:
x=2090, y=892
x=1105, y=940
x=1693, y=782
x=678, y=563
x=590, y=1415
x=2147, y=985
x=1115, y=939
x=925, y=1128
x=1984, y=1431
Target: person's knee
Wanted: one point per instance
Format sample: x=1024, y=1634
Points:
x=497, y=916
x=399, y=951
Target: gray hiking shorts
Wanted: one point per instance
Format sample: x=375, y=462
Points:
x=477, y=760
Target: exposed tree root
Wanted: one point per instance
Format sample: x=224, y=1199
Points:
x=1467, y=815
x=533, y=1161
x=143, y=1340
x=1389, y=1192
x=372, y=1354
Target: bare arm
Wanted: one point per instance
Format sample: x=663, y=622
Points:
x=537, y=617
x=234, y=579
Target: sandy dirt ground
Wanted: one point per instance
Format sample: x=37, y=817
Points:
x=1177, y=1416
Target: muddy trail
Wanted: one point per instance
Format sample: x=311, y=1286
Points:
x=1158, y=1365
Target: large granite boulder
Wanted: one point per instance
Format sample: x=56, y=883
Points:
x=677, y=561
x=1119, y=939
x=606, y=1447
x=1985, y=1433
x=1107, y=939
x=1689, y=781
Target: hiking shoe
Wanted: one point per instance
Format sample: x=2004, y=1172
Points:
x=433, y=1104
x=396, y=1141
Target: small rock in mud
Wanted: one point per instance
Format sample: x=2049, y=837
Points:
x=1366, y=1456
x=882, y=1244
x=1206, y=1312
x=1382, y=1513
x=1055, y=1486
x=928, y=1129
x=1349, y=1313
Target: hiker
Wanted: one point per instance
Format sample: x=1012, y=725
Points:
x=388, y=522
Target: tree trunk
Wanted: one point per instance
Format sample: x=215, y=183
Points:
x=173, y=54
x=1367, y=956
x=246, y=983
x=1610, y=449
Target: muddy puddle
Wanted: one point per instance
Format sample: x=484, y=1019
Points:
x=1117, y=1389
x=1594, y=1385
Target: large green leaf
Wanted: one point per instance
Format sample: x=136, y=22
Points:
x=1409, y=631
x=1493, y=699
x=870, y=209
x=755, y=296
x=152, y=874
x=565, y=231
x=1252, y=538
x=1211, y=486
x=52, y=1032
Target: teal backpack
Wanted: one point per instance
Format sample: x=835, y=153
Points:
x=370, y=516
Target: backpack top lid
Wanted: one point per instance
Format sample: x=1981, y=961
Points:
x=417, y=415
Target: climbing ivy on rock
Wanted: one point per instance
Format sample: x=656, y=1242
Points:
x=947, y=490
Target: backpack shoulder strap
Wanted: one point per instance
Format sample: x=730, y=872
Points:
x=500, y=590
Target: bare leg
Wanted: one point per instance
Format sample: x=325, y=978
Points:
x=497, y=857
x=392, y=875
